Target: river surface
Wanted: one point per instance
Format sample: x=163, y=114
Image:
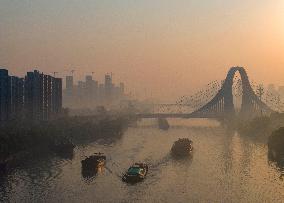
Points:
x=225, y=167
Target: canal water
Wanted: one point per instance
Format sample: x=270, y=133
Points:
x=225, y=167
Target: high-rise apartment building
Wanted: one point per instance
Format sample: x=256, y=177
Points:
x=108, y=87
x=33, y=99
x=56, y=95
x=37, y=96
x=69, y=82
x=17, y=97
x=4, y=95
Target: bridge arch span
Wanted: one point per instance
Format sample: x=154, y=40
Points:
x=222, y=104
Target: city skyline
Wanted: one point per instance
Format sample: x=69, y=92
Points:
x=181, y=44
x=90, y=93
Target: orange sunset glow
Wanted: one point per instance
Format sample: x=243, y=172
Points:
x=125, y=101
x=170, y=47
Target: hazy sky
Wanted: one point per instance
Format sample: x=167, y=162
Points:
x=167, y=47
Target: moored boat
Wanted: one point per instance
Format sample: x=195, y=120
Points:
x=163, y=124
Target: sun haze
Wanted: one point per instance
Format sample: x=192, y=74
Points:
x=161, y=48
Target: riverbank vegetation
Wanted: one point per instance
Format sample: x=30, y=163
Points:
x=260, y=126
x=21, y=135
x=276, y=143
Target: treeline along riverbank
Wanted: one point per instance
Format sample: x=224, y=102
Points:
x=19, y=136
x=276, y=147
x=261, y=127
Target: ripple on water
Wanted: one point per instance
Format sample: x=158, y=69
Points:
x=225, y=167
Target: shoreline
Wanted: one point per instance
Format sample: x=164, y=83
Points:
x=22, y=136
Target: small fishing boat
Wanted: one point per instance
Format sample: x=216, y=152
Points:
x=94, y=161
x=137, y=172
x=182, y=147
x=163, y=124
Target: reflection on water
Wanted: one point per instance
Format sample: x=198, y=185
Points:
x=225, y=167
x=279, y=164
x=89, y=175
x=276, y=160
x=66, y=155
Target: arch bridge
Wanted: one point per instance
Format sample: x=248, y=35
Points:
x=222, y=105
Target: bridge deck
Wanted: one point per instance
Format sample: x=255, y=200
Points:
x=169, y=115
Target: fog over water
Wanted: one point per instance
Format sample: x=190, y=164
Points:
x=225, y=167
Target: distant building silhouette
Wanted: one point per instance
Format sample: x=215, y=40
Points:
x=90, y=93
x=69, y=83
x=108, y=87
x=34, y=95
x=56, y=95
x=91, y=89
x=17, y=96
x=47, y=96
x=101, y=93
x=4, y=95
x=37, y=96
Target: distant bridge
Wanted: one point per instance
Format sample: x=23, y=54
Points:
x=168, y=115
x=222, y=105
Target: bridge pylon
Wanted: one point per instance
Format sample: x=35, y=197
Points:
x=222, y=105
